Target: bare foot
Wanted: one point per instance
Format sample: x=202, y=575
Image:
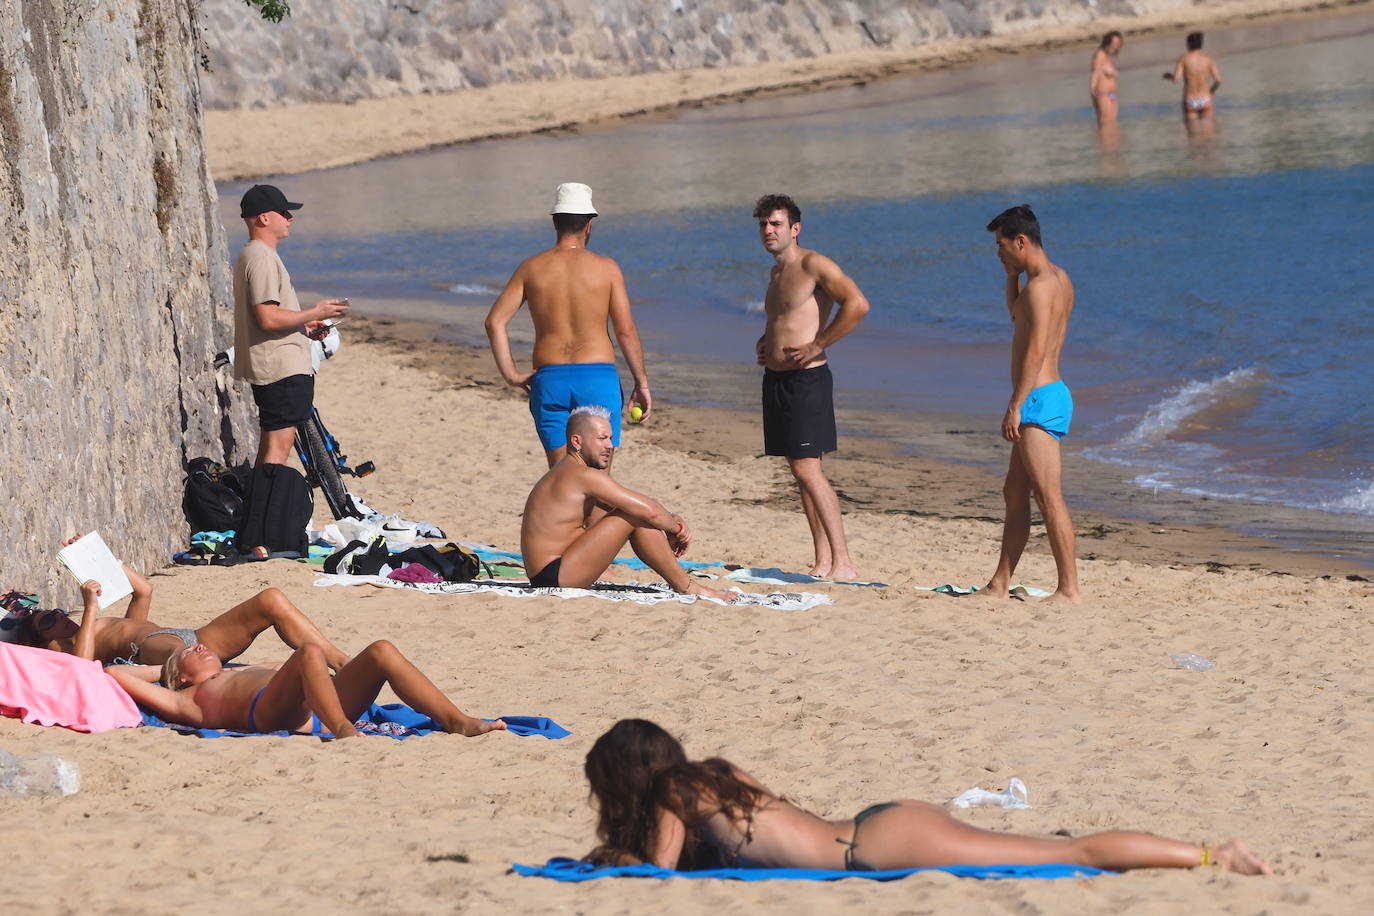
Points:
x=348, y=731
x=995, y=589
x=1070, y=597
x=469, y=727
x=846, y=573
x=696, y=588
x=1233, y=855
x=819, y=570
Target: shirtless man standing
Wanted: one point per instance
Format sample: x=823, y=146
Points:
x=572, y=293
x=1041, y=406
x=1201, y=79
x=136, y=638
x=577, y=518
x=798, y=402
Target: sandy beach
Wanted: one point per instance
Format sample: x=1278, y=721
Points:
x=330, y=135
x=888, y=693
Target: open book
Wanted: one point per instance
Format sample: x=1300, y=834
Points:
x=88, y=559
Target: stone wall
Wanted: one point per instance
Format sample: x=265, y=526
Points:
x=343, y=50
x=114, y=283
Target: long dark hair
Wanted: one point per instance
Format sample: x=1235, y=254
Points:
x=636, y=768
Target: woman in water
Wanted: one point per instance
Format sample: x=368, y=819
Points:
x=194, y=688
x=654, y=805
x=1102, y=79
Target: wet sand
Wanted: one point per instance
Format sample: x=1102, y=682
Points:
x=888, y=693
x=870, y=473
x=329, y=135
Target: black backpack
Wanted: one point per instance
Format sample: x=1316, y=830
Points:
x=213, y=497
x=277, y=506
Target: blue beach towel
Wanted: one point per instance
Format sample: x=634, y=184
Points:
x=774, y=576
x=392, y=720
x=561, y=869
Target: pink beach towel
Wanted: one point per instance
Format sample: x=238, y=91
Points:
x=43, y=687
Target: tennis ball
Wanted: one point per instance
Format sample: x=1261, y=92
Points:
x=636, y=413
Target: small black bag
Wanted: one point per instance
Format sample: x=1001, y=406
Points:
x=211, y=501
x=451, y=562
x=277, y=506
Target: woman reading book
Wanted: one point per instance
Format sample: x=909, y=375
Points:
x=135, y=638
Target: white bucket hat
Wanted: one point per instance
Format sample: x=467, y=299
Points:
x=574, y=199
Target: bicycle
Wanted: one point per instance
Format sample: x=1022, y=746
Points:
x=325, y=464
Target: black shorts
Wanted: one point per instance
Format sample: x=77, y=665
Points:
x=548, y=576
x=799, y=412
x=286, y=402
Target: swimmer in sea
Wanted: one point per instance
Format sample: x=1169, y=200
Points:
x=1201, y=79
x=1102, y=78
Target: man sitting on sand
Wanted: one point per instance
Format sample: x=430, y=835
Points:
x=577, y=518
x=194, y=688
x=135, y=638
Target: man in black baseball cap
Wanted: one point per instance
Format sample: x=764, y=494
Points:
x=264, y=198
x=271, y=342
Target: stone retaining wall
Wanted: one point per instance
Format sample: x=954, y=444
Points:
x=343, y=50
x=113, y=283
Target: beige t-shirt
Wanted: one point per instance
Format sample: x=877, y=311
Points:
x=263, y=357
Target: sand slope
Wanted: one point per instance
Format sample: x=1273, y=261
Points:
x=887, y=694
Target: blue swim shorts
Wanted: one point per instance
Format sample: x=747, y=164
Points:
x=556, y=390
x=1049, y=407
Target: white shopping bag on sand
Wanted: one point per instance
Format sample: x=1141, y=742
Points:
x=1014, y=797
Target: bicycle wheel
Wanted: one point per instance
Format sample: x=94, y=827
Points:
x=324, y=470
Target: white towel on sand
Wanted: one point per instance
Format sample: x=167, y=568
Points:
x=637, y=592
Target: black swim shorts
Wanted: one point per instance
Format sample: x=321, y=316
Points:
x=286, y=402
x=799, y=412
x=548, y=576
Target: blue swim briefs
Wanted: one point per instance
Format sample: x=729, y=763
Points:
x=1049, y=407
x=556, y=390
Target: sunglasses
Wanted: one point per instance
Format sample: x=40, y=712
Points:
x=286, y=214
x=47, y=619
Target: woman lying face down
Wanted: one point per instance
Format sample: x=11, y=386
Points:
x=654, y=805
x=194, y=688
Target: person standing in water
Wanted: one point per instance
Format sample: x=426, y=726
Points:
x=1201, y=78
x=1102, y=78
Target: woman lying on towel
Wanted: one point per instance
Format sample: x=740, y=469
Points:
x=654, y=805
x=194, y=688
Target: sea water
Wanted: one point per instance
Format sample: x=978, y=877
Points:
x=1218, y=349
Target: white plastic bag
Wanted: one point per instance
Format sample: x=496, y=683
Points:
x=1014, y=797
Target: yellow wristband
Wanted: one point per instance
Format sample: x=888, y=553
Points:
x=1207, y=856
